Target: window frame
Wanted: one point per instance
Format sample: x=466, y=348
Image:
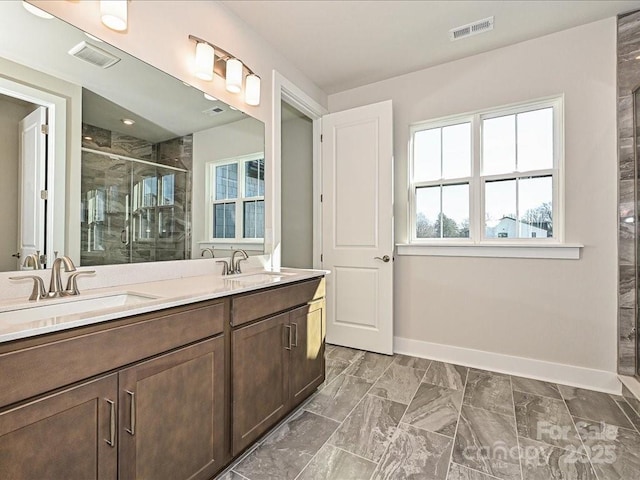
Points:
x=477, y=181
x=239, y=201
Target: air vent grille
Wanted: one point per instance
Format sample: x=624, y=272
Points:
x=213, y=111
x=93, y=55
x=481, y=26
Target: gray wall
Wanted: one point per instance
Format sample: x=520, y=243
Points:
x=297, y=189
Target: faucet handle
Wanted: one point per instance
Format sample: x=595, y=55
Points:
x=72, y=282
x=238, y=269
x=38, y=291
x=225, y=267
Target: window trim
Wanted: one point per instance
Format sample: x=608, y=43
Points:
x=477, y=181
x=239, y=201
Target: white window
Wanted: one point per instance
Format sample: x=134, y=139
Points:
x=490, y=177
x=235, y=189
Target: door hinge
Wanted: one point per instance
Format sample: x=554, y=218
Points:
x=321, y=257
x=44, y=195
x=44, y=129
x=321, y=198
x=321, y=138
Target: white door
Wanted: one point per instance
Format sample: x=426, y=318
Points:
x=357, y=225
x=33, y=167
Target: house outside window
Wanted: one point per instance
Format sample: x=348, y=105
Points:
x=488, y=177
x=235, y=193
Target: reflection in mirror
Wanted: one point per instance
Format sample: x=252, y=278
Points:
x=128, y=169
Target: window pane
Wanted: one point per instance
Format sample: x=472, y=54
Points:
x=456, y=151
x=254, y=219
x=427, y=212
x=426, y=155
x=536, y=213
x=254, y=178
x=168, y=189
x=224, y=220
x=535, y=140
x=499, y=145
x=446, y=219
x=500, y=209
x=227, y=181
x=455, y=211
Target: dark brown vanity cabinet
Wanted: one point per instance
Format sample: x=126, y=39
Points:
x=157, y=412
x=276, y=361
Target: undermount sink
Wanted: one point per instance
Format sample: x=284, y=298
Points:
x=66, y=306
x=260, y=278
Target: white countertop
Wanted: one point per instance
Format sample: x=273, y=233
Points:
x=21, y=319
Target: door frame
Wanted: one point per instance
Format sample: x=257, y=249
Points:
x=56, y=158
x=285, y=90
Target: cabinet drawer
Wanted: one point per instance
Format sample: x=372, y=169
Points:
x=31, y=371
x=250, y=307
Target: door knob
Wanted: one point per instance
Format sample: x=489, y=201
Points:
x=385, y=259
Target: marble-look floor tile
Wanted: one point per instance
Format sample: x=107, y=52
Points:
x=537, y=387
x=446, y=375
x=369, y=366
x=487, y=442
x=631, y=399
x=332, y=463
x=545, y=420
x=333, y=368
x=413, y=362
x=435, y=409
x=287, y=451
x=491, y=391
x=398, y=383
x=344, y=353
x=596, y=406
x=339, y=397
x=231, y=475
x=458, y=472
x=630, y=413
x=614, y=451
x=544, y=462
x=328, y=348
x=368, y=429
x=415, y=453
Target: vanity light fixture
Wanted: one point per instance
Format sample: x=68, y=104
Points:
x=114, y=14
x=210, y=59
x=128, y=121
x=36, y=11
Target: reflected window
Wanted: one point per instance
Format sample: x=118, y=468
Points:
x=491, y=175
x=235, y=188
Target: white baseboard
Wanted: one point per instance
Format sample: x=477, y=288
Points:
x=632, y=384
x=571, y=375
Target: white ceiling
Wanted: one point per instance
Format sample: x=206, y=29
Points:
x=346, y=44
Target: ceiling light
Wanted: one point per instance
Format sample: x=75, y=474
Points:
x=95, y=39
x=209, y=97
x=88, y=138
x=252, y=90
x=36, y=11
x=628, y=220
x=234, y=75
x=114, y=14
x=128, y=121
x=205, y=58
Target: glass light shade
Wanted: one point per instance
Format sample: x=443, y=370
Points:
x=205, y=56
x=36, y=11
x=252, y=90
x=114, y=14
x=234, y=75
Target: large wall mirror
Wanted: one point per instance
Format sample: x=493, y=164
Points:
x=136, y=166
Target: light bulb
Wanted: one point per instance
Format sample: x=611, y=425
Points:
x=114, y=14
x=36, y=11
x=205, y=57
x=234, y=75
x=252, y=90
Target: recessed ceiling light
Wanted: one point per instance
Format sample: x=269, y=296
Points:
x=88, y=138
x=232, y=107
x=95, y=39
x=210, y=97
x=628, y=220
x=638, y=57
x=128, y=121
x=36, y=11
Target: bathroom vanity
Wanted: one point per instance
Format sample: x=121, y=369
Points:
x=172, y=388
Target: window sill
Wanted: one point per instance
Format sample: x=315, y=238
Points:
x=563, y=251
x=232, y=244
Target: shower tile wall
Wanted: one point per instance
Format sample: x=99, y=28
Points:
x=177, y=152
x=628, y=81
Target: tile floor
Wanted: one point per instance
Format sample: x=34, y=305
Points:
x=400, y=417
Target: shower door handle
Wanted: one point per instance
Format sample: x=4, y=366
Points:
x=124, y=237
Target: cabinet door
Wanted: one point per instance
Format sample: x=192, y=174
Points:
x=172, y=415
x=307, y=352
x=70, y=435
x=260, y=366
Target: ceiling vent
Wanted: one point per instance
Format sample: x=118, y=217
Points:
x=94, y=55
x=470, y=29
x=213, y=111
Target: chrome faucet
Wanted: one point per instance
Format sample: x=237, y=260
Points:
x=32, y=260
x=55, y=285
x=208, y=249
x=235, y=265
